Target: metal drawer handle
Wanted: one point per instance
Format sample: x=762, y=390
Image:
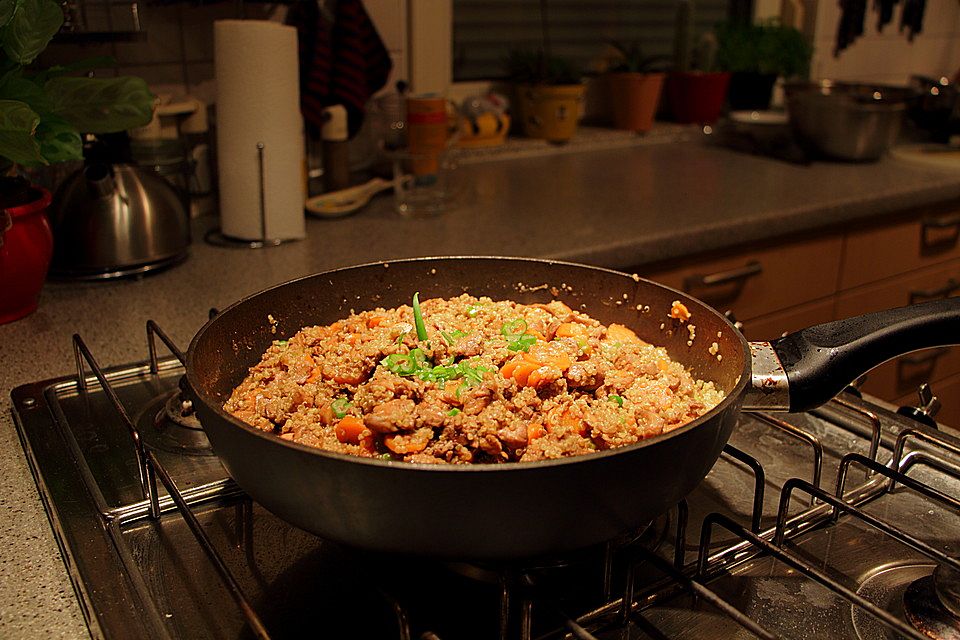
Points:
x=917, y=295
x=942, y=222
x=739, y=275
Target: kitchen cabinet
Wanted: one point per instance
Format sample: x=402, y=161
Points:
x=759, y=281
x=842, y=272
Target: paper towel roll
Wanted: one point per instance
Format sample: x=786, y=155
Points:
x=258, y=102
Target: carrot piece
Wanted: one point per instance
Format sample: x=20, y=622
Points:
x=535, y=379
x=411, y=443
x=374, y=321
x=570, y=330
x=508, y=369
x=535, y=430
x=349, y=428
x=522, y=373
x=663, y=364
x=315, y=375
x=621, y=333
x=679, y=311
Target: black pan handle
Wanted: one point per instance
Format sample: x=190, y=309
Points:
x=820, y=361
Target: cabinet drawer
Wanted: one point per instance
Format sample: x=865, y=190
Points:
x=758, y=282
x=903, y=375
x=883, y=252
x=774, y=325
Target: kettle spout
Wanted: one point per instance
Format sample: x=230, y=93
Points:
x=100, y=180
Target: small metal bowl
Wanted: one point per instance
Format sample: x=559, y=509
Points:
x=847, y=121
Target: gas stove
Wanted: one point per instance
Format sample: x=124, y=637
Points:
x=842, y=522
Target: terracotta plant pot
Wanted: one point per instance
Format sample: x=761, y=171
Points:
x=634, y=98
x=25, y=250
x=550, y=112
x=696, y=96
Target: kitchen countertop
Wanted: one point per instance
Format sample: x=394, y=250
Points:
x=619, y=208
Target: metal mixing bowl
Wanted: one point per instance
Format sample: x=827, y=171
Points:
x=848, y=121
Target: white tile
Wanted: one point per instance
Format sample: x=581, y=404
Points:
x=163, y=43
x=933, y=56
x=941, y=18
x=828, y=19
x=389, y=17
x=872, y=55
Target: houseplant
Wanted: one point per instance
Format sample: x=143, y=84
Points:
x=42, y=112
x=549, y=93
x=634, y=82
x=695, y=89
x=756, y=54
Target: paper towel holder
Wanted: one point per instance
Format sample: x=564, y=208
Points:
x=216, y=236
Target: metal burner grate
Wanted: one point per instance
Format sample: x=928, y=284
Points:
x=631, y=580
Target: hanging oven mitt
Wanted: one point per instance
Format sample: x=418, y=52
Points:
x=343, y=63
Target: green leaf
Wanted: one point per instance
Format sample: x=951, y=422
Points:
x=7, y=7
x=13, y=86
x=59, y=140
x=33, y=24
x=18, y=122
x=101, y=105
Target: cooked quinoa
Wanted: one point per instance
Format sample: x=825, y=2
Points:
x=493, y=381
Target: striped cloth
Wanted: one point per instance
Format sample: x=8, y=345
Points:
x=343, y=63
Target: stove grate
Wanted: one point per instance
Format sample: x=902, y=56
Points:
x=677, y=576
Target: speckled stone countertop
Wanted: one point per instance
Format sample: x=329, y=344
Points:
x=618, y=208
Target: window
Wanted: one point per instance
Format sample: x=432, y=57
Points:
x=485, y=31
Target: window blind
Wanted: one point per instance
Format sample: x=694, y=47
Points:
x=485, y=31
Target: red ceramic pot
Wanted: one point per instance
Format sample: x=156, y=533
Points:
x=696, y=96
x=25, y=251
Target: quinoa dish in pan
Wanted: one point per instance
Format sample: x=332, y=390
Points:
x=470, y=380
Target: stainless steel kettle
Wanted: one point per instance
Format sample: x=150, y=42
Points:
x=112, y=220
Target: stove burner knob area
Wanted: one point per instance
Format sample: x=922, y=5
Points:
x=926, y=410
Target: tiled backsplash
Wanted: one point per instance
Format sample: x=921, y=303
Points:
x=177, y=55
x=888, y=57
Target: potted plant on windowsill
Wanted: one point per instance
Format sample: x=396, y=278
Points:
x=548, y=89
x=756, y=55
x=634, y=82
x=42, y=112
x=695, y=89
x=549, y=94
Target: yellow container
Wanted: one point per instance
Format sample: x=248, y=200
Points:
x=550, y=112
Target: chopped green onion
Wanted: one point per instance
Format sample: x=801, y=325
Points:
x=453, y=412
x=521, y=342
x=281, y=343
x=402, y=364
x=617, y=399
x=386, y=456
x=418, y=317
x=514, y=328
x=400, y=338
x=452, y=336
x=339, y=407
x=473, y=310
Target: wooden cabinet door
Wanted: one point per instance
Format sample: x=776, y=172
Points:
x=875, y=253
x=903, y=375
x=760, y=281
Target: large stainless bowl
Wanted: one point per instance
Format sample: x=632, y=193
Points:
x=846, y=120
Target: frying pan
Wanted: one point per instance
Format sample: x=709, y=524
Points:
x=521, y=510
